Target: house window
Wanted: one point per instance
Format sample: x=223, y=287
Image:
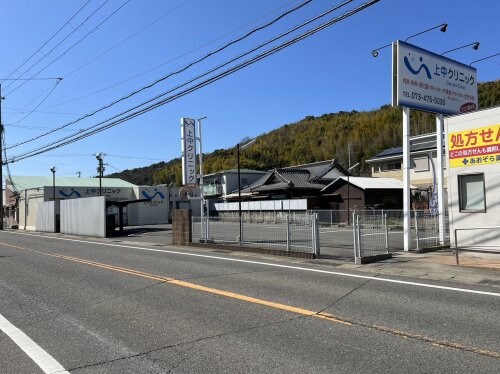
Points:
x=393, y=165
x=471, y=193
x=421, y=163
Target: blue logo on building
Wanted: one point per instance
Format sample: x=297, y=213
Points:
x=420, y=68
x=73, y=192
x=157, y=193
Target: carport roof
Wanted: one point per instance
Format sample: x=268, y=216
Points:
x=27, y=182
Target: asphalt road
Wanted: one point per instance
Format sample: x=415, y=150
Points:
x=115, y=308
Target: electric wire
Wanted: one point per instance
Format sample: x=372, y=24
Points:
x=22, y=110
x=9, y=177
x=38, y=105
x=32, y=127
x=48, y=40
x=159, y=65
x=103, y=126
x=75, y=44
x=184, y=68
x=75, y=29
x=206, y=73
x=127, y=38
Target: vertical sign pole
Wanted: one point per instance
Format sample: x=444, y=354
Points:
x=202, y=199
x=440, y=175
x=406, y=179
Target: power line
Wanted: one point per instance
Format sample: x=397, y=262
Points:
x=159, y=65
x=103, y=126
x=38, y=105
x=184, y=68
x=205, y=74
x=135, y=158
x=127, y=38
x=75, y=29
x=75, y=44
x=48, y=40
x=22, y=110
x=32, y=127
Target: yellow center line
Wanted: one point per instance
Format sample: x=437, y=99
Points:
x=271, y=304
x=214, y=291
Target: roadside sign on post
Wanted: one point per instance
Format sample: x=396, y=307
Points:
x=432, y=83
x=188, y=146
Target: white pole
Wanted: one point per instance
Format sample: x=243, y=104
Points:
x=440, y=175
x=406, y=179
x=202, y=199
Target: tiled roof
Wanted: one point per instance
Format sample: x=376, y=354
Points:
x=398, y=151
x=281, y=179
x=318, y=169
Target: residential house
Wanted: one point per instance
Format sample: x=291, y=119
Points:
x=423, y=162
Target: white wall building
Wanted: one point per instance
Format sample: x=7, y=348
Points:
x=24, y=193
x=473, y=156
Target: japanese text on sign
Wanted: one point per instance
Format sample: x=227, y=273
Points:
x=473, y=147
x=188, y=145
x=426, y=81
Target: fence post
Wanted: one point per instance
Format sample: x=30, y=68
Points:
x=384, y=217
x=416, y=230
x=287, y=232
x=316, y=235
x=207, y=223
x=437, y=230
x=358, y=232
x=355, y=236
x=242, y=228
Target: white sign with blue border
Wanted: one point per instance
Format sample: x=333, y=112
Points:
x=430, y=82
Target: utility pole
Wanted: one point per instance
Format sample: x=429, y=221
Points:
x=1, y=160
x=1, y=139
x=100, y=170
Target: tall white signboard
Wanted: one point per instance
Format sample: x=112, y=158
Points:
x=188, y=145
x=430, y=82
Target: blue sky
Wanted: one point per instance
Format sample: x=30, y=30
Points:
x=103, y=59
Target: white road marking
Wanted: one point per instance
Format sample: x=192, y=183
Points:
x=387, y=280
x=44, y=360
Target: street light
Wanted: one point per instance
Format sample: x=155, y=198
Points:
x=442, y=27
x=375, y=51
x=100, y=170
x=239, y=148
x=53, y=170
x=474, y=45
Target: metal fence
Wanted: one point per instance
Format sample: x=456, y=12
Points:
x=426, y=228
x=370, y=235
x=286, y=232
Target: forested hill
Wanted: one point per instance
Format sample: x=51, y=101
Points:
x=312, y=139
